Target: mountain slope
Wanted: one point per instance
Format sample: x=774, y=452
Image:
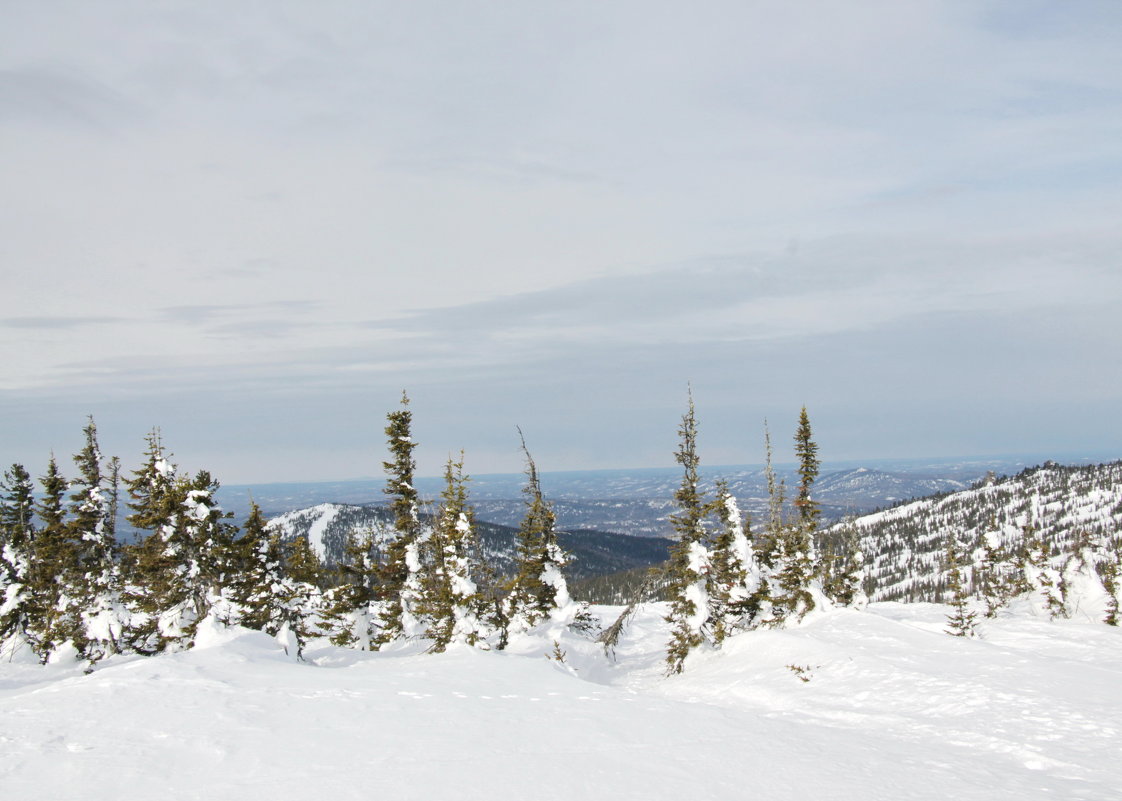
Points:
x=903, y=545
x=594, y=552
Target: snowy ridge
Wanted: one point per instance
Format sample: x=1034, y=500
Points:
x=903, y=546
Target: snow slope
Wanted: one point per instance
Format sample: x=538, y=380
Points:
x=893, y=709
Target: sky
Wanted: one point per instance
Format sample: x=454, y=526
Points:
x=254, y=224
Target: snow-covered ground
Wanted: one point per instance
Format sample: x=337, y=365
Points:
x=851, y=705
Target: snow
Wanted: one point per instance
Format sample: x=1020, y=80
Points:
x=851, y=705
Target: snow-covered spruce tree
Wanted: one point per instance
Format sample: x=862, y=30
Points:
x=794, y=568
x=185, y=566
x=94, y=587
x=1080, y=581
x=1041, y=582
x=539, y=592
x=766, y=543
x=806, y=450
x=17, y=533
x=402, y=573
x=995, y=581
x=347, y=616
x=734, y=576
x=451, y=603
x=960, y=622
x=151, y=566
x=847, y=577
x=1111, y=571
x=689, y=565
x=52, y=622
x=304, y=597
x=257, y=585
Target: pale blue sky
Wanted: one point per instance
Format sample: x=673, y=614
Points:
x=253, y=224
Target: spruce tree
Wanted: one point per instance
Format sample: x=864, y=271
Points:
x=17, y=507
x=346, y=616
x=793, y=566
x=960, y=621
x=806, y=450
x=17, y=533
x=451, y=600
x=994, y=580
x=94, y=584
x=689, y=564
x=53, y=558
x=734, y=576
x=257, y=585
x=402, y=574
x=1037, y=577
x=539, y=591
x=847, y=578
x=1111, y=571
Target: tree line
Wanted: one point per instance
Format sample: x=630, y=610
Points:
x=69, y=589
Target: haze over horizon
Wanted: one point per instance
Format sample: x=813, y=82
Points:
x=253, y=225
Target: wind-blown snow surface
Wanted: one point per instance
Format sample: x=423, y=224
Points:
x=893, y=709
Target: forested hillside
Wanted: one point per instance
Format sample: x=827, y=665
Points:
x=1052, y=504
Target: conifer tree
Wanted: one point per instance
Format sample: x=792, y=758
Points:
x=1110, y=572
x=734, y=576
x=94, y=584
x=539, y=591
x=347, y=618
x=1036, y=577
x=995, y=583
x=17, y=507
x=52, y=560
x=793, y=566
x=300, y=594
x=257, y=587
x=960, y=621
x=402, y=580
x=17, y=532
x=1079, y=579
x=806, y=450
x=689, y=563
x=847, y=578
x=301, y=563
x=452, y=601
x=184, y=564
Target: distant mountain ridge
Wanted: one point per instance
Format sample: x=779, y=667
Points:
x=638, y=502
x=594, y=553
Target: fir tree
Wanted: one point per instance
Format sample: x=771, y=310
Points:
x=1079, y=579
x=807, y=452
x=17, y=507
x=734, y=576
x=1036, y=577
x=257, y=586
x=347, y=606
x=793, y=566
x=960, y=621
x=1110, y=572
x=452, y=600
x=52, y=560
x=93, y=586
x=17, y=534
x=689, y=563
x=995, y=583
x=402, y=581
x=539, y=591
x=301, y=563
x=847, y=578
